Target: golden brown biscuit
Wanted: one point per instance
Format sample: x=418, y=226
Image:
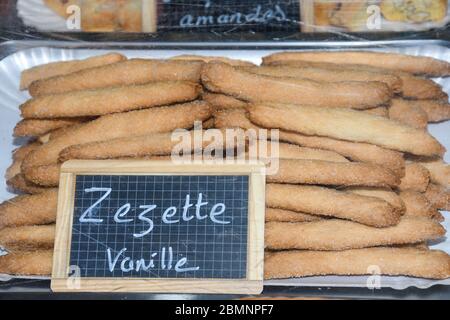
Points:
x=436, y=110
x=416, y=178
x=328, y=74
x=134, y=123
x=418, y=65
x=19, y=183
x=320, y=172
x=281, y=150
x=438, y=196
x=96, y=102
x=221, y=101
x=29, y=210
x=332, y=203
x=412, y=262
x=417, y=205
x=361, y=152
x=21, y=152
x=244, y=85
x=280, y=215
x=345, y=124
x=383, y=193
x=40, y=127
x=129, y=72
x=28, y=237
x=412, y=87
x=335, y=235
x=206, y=59
x=155, y=144
x=378, y=111
x=38, y=263
x=439, y=172
x=407, y=113
x=53, y=69
x=46, y=176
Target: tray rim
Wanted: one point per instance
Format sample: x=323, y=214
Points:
x=21, y=45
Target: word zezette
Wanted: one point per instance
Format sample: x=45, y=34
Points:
x=170, y=215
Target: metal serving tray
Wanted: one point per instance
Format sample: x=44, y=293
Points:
x=19, y=55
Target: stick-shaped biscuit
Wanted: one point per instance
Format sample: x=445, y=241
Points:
x=383, y=193
x=28, y=237
x=439, y=171
x=436, y=110
x=29, y=210
x=235, y=118
x=110, y=100
x=193, y=57
x=265, y=149
x=378, y=111
x=361, y=152
x=39, y=127
x=416, y=178
x=409, y=114
x=412, y=87
x=438, y=196
x=412, y=262
x=19, y=183
x=53, y=69
x=129, y=72
x=226, y=79
x=328, y=75
x=418, y=65
x=134, y=123
x=329, y=202
x=280, y=215
x=347, y=125
x=46, y=176
x=208, y=124
x=149, y=145
x=417, y=205
x=37, y=263
x=21, y=152
x=13, y=170
x=420, y=88
x=299, y=171
x=62, y=131
x=18, y=155
x=337, y=234
x=220, y=101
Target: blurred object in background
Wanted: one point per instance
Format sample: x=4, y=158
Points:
x=93, y=15
x=414, y=11
x=231, y=16
x=6, y=9
x=374, y=15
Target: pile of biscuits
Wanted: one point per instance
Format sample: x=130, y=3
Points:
x=360, y=180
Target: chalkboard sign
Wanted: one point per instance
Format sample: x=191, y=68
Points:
x=229, y=15
x=159, y=227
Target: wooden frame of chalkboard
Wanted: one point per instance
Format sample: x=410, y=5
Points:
x=252, y=283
